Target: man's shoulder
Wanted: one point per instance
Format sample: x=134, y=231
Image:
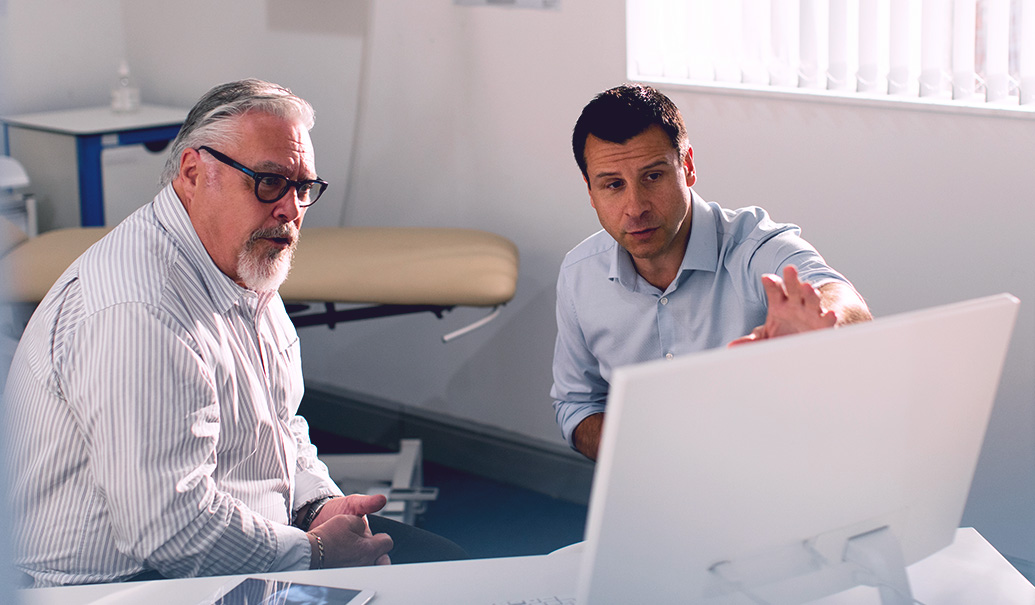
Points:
x=595, y=247
x=746, y=224
x=133, y=263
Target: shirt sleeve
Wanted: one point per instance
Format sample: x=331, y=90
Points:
x=781, y=248
x=312, y=479
x=579, y=390
x=148, y=404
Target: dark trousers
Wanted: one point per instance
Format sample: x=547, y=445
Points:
x=415, y=545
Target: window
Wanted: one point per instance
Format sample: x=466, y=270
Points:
x=954, y=52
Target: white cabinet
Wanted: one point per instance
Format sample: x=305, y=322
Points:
x=92, y=167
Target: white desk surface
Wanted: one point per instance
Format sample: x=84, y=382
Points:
x=969, y=572
x=99, y=120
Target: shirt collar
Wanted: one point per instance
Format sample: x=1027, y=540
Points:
x=702, y=252
x=174, y=219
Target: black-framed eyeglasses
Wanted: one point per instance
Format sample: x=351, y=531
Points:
x=270, y=186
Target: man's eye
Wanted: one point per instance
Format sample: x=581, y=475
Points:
x=271, y=181
x=653, y=176
x=613, y=184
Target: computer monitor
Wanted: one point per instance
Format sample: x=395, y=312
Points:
x=790, y=469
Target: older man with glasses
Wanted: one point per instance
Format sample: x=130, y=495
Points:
x=153, y=397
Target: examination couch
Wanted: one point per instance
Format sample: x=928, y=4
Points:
x=372, y=271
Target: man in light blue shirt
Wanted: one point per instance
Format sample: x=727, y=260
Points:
x=670, y=274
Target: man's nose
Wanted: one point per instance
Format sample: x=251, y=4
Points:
x=638, y=201
x=288, y=207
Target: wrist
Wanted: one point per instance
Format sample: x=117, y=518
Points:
x=315, y=551
x=305, y=517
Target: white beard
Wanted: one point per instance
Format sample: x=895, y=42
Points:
x=263, y=271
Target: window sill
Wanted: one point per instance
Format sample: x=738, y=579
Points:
x=1013, y=111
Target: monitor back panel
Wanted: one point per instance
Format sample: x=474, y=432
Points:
x=742, y=455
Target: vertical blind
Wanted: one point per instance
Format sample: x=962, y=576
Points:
x=974, y=51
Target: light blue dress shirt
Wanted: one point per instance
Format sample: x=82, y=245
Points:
x=608, y=316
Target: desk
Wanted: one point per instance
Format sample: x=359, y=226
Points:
x=969, y=572
x=61, y=151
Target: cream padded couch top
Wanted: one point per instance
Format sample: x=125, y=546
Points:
x=377, y=265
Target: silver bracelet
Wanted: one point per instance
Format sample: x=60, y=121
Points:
x=319, y=546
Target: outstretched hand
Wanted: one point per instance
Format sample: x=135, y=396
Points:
x=794, y=306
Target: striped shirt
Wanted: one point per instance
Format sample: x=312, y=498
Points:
x=152, y=412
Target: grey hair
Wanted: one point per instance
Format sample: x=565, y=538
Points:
x=212, y=119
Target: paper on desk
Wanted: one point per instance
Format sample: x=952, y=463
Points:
x=164, y=592
x=133, y=593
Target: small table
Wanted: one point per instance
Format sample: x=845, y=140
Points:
x=61, y=151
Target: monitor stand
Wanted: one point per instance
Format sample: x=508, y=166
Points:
x=809, y=570
x=879, y=556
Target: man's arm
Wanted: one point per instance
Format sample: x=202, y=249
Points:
x=579, y=391
x=844, y=302
x=312, y=479
x=154, y=435
x=795, y=306
x=587, y=435
x=153, y=418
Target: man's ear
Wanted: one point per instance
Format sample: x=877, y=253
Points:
x=688, y=167
x=190, y=173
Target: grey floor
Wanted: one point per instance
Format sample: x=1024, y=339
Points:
x=487, y=518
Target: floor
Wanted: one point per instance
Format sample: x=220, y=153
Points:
x=486, y=518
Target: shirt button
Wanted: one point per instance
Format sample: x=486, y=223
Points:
x=668, y=356
x=664, y=301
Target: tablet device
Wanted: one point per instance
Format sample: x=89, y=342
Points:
x=258, y=591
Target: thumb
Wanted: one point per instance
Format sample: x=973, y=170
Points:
x=365, y=504
x=743, y=340
x=756, y=334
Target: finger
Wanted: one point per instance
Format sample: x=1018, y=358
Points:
x=792, y=285
x=774, y=290
x=756, y=334
x=354, y=524
x=382, y=545
x=383, y=560
x=810, y=296
x=742, y=340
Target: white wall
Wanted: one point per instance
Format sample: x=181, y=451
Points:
x=465, y=118
x=63, y=54
x=464, y=125
x=314, y=47
x=50, y=60
x=917, y=208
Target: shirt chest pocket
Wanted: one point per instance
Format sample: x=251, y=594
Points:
x=282, y=362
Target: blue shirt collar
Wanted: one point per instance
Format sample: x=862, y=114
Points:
x=702, y=250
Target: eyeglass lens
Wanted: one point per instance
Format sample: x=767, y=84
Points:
x=271, y=187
